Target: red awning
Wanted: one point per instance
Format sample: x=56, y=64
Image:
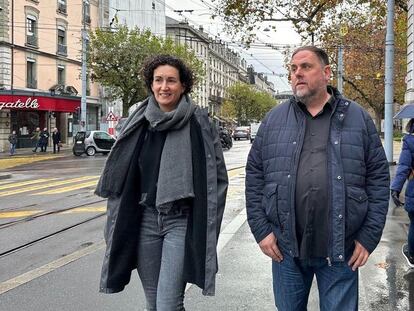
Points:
x=48, y=103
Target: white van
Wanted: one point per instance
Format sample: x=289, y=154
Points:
x=254, y=127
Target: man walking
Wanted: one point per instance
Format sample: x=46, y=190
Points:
x=56, y=140
x=36, y=139
x=13, y=142
x=316, y=189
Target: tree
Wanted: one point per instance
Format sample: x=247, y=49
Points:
x=246, y=104
x=363, y=42
x=244, y=17
x=115, y=58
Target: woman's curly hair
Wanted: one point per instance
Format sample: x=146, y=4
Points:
x=186, y=74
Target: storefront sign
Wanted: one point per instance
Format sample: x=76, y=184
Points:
x=45, y=103
x=18, y=104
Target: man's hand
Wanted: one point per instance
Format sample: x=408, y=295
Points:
x=359, y=257
x=269, y=247
x=395, y=195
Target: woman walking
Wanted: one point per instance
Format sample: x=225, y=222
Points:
x=405, y=172
x=166, y=183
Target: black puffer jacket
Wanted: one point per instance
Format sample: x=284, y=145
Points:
x=357, y=170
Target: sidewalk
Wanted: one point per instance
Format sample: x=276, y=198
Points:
x=27, y=156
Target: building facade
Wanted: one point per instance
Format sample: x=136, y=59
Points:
x=40, y=65
x=409, y=95
x=223, y=67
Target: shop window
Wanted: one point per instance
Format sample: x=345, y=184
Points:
x=31, y=30
x=31, y=81
x=62, y=48
x=61, y=75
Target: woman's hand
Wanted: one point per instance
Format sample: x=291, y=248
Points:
x=395, y=195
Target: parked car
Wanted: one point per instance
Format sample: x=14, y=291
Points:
x=91, y=142
x=254, y=127
x=241, y=132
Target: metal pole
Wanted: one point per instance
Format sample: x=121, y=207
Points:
x=83, y=98
x=389, y=82
x=340, y=68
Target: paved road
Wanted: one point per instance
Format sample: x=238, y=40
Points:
x=61, y=273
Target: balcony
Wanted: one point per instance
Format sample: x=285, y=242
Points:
x=31, y=40
x=62, y=8
x=62, y=49
x=216, y=99
x=32, y=84
x=87, y=19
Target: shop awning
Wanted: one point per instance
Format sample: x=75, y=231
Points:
x=42, y=102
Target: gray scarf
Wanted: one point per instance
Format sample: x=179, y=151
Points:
x=175, y=177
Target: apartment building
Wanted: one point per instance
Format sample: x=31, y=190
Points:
x=40, y=66
x=409, y=95
x=223, y=67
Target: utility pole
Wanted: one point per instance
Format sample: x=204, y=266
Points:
x=389, y=82
x=83, y=73
x=340, y=68
x=343, y=30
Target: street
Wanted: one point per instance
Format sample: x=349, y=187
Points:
x=51, y=245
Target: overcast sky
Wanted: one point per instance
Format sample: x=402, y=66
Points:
x=264, y=59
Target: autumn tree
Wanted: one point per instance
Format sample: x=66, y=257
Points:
x=362, y=36
x=246, y=104
x=115, y=58
x=243, y=18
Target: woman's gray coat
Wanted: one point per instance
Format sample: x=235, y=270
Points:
x=120, y=253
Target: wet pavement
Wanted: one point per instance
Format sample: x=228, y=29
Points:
x=244, y=280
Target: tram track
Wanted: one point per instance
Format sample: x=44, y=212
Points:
x=64, y=229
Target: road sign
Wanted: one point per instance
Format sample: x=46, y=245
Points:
x=111, y=117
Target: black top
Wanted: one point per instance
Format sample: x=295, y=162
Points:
x=149, y=165
x=312, y=197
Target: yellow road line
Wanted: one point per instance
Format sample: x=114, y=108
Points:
x=91, y=209
x=236, y=172
x=68, y=188
x=25, y=183
x=19, y=214
x=16, y=161
x=52, y=184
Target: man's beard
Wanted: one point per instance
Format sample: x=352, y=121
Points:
x=305, y=96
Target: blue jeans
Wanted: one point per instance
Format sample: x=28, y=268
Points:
x=161, y=249
x=292, y=281
x=411, y=234
x=12, y=149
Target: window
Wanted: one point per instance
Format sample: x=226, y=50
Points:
x=86, y=12
x=31, y=30
x=61, y=40
x=153, y=5
x=61, y=75
x=31, y=81
x=62, y=6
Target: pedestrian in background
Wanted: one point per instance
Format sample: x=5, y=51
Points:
x=44, y=139
x=56, y=140
x=405, y=172
x=316, y=189
x=166, y=183
x=36, y=139
x=13, y=142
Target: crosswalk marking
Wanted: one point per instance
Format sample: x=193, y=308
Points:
x=25, y=183
x=68, y=188
x=236, y=172
x=17, y=214
x=47, y=185
x=86, y=210
x=20, y=214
